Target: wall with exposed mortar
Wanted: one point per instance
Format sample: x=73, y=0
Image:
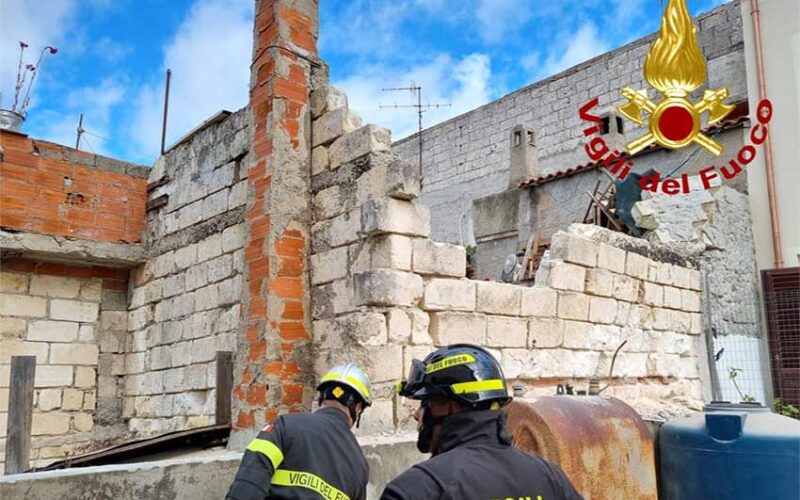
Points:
x=467, y=157
x=184, y=303
x=384, y=293
x=73, y=320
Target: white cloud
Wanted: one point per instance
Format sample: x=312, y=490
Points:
x=582, y=45
x=463, y=83
x=498, y=19
x=210, y=61
x=36, y=26
x=110, y=50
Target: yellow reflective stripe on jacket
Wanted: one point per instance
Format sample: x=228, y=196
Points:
x=352, y=380
x=477, y=386
x=267, y=448
x=458, y=359
x=309, y=481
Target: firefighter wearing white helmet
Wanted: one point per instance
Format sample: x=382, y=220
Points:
x=311, y=455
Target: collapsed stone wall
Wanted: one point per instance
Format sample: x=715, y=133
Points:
x=73, y=320
x=384, y=293
x=185, y=300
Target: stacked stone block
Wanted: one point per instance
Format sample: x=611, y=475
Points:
x=57, y=318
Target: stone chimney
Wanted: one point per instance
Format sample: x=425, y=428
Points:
x=612, y=130
x=524, y=155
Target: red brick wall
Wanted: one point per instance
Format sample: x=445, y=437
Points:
x=43, y=194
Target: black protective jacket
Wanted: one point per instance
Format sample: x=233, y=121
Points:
x=303, y=456
x=477, y=462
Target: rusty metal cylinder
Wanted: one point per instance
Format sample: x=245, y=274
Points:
x=602, y=444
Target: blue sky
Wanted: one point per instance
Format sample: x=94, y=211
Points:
x=113, y=53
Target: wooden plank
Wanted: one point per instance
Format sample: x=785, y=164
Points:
x=520, y=272
x=224, y=386
x=589, y=208
x=20, y=414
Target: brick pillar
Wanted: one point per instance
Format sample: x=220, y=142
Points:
x=273, y=370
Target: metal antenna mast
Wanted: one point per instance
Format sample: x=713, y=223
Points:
x=421, y=108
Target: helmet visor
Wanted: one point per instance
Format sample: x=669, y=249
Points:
x=413, y=383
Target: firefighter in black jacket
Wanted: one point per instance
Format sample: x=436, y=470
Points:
x=462, y=388
x=311, y=455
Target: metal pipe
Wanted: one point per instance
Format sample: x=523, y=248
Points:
x=80, y=132
x=166, y=109
x=762, y=92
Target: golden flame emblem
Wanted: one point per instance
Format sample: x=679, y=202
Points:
x=675, y=66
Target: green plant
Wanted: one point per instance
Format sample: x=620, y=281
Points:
x=732, y=373
x=786, y=409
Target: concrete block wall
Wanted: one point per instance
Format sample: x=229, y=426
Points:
x=185, y=299
x=468, y=157
x=384, y=293
x=73, y=320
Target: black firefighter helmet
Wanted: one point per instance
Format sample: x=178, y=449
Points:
x=464, y=372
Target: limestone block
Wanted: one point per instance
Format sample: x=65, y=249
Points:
x=13, y=282
x=420, y=327
x=90, y=400
x=694, y=280
x=204, y=349
x=538, y=301
x=696, y=326
x=72, y=310
x=611, y=258
x=602, y=310
x=449, y=294
x=672, y=297
x=506, y=332
x=627, y=364
x=114, y=320
x=599, y=282
x=653, y=294
x=334, y=124
x=20, y=348
x=387, y=287
x=183, y=305
x=92, y=290
x=188, y=256
x=573, y=306
x=328, y=333
x=662, y=319
x=215, y=203
x=391, y=251
x=390, y=215
x=12, y=328
x=164, y=264
x=49, y=399
x=189, y=403
x=690, y=300
x=86, y=333
x=680, y=321
x=173, y=285
x=159, y=357
x=53, y=376
x=520, y=363
x=52, y=331
x=345, y=228
x=74, y=354
x=571, y=248
x=55, y=286
x=398, y=323
x=319, y=160
x=326, y=99
x=331, y=202
x=85, y=376
x=565, y=276
x=233, y=237
x=626, y=288
x=83, y=422
x=368, y=139
x=196, y=277
x=456, y=327
x=135, y=362
x=207, y=298
x=681, y=277
x=329, y=266
x=636, y=265
x=577, y=335
x=397, y=179
x=344, y=299
x=22, y=305
x=628, y=314
x=663, y=365
x=73, y=399
x=380, y=418
x=442, y=259
x=237, y=196
x=209, y=248
x=50, y=424
x=545, y=332
x=498, y=298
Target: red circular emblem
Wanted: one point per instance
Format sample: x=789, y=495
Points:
x=676, y=123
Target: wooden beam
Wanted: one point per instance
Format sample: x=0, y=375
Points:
x=20, y=414
x=224, y=386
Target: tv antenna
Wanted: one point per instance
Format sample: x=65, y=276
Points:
x=421, y=108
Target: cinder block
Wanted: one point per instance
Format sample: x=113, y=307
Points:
x=74, y=354
x=368, y=139
x=72, y=310
x=390, y=215
x=611, y=258
x=449, y=294
x=52, y=331
x=545, y=333
x=55, y=286
x=506, y=332
x=565, y=276
x=571, y=248
x=329, y=266
x=442, y=259
x=599, y=282
x=22, y=305
x=498, y=298
x=573, y=306
x=455, y=327
x=637, y=266
x=387, y=287
x=602, y=310
x=538, y=301
x=334, y=124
